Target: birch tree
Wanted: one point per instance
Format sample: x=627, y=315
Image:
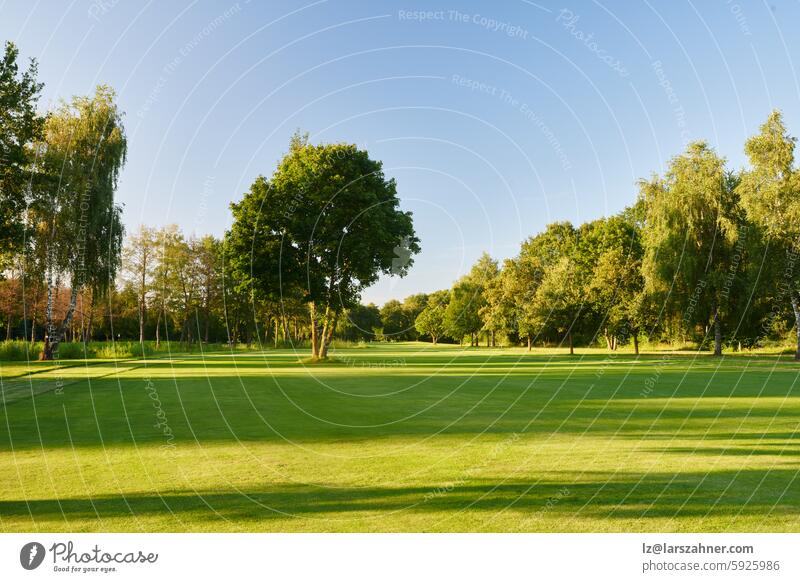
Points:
x=76, y=219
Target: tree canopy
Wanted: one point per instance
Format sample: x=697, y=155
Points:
x=324, y=227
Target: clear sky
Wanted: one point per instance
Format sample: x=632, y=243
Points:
x=494, y=117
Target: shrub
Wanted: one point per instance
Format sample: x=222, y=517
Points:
x=74, y=351
x=19, y=351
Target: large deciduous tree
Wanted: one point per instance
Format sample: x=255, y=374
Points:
x=770, y=194
x=690, y=232
x=324, y=226
x=77, y=221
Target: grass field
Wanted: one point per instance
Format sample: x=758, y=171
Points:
x=403, y=437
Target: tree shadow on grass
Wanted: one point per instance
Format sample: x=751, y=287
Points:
x=719, y=496
x=230, y=409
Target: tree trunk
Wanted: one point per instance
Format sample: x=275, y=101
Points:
x=33, y=315
x=529, y=343
x=91, y=322
x=569, y=337
x=49, y=330
x=717, y=334
x=158, y=329
x=141, y=319
x=314, y=330
x=327, y=337
x=796, y=310
x=636, y=344
x=54, y=339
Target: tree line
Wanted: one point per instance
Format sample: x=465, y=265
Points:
x=705, y=254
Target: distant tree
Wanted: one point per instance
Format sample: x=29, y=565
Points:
x=413, y=305
x=138, y=260
x=77, y=221
x=431, y=320
x=186, y=271
x=502, y=293
x=610, y=255
x=690, y=233
x=462, y=316
x=616, y=290
x=360, y=321
x=559, y=300
x=394, y=320
x=497, y=312
x=482, y=275
x=168, y=243
x=11, y=300
x=208, y=276
x=525, y=273
x=324, y=226
x=20, y=128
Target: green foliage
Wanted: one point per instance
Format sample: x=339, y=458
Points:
x=394, y=319
x=431, y=320
x=691, y=229
x=79, y=223
x=324, y=227
x=359, y=322
x=323, y=204
x=770, y=189
x=18, y=351
x=462, y=316
x=20, y=128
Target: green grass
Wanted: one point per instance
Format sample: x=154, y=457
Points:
x=403, y=437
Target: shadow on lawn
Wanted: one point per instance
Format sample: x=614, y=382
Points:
x=229, y=409
x=719, y=495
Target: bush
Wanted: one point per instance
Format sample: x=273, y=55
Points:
x=19, y=351
x=114, y=350
x=74, y=351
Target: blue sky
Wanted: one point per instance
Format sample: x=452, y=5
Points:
x=494, y=117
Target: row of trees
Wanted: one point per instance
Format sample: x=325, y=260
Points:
x=304, y=243
x=706, y=254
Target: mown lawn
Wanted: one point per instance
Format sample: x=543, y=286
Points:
x=404, y=438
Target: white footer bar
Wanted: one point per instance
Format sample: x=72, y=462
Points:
x=389, y=557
